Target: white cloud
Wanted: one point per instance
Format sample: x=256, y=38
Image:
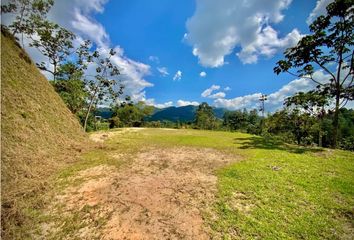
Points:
x=78, y=16
x=151, y=102
x=181, y=103
x=163, y=71
x=217, y=27
x=227, y=89
x=267, y=44
x=164, y=105
x=208, y=91
x=246, y=101
x=275, y=99
x=154, y=59
x=320, y=9
x=202, y=74
x=90, y=28
x=217, y=95
x=177, y=76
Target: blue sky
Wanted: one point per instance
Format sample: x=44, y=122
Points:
x=164, y=46
x=152, y=32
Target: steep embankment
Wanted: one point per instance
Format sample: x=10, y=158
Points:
x=38, y=134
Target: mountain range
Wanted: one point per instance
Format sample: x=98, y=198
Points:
x=173, y=114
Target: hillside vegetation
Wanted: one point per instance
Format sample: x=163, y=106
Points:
x=39, y=134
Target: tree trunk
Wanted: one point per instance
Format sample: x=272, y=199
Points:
x=87, y=115
x=336, y=122
x=90, y=107
x=338, y=92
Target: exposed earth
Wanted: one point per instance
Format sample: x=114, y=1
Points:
x=158, y=193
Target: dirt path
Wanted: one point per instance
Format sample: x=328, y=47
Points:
x=160, y=194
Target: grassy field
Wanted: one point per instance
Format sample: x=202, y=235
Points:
x=273, y=191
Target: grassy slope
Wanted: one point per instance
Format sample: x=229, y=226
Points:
x=276, y=192
x=38, y=135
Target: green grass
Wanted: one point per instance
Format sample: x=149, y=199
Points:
x=277, y=191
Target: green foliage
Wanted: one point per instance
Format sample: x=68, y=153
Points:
x=71, y=87
x=53, y=42
x=128, y=114
x=25, y=11
x=104, y=86
x=293, y=125
x=330, y=43
x=204, y=117
x=296, y=126
x=244, y=121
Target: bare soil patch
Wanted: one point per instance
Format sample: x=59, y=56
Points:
x=161, y=194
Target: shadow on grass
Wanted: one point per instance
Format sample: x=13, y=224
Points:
x=272, y=144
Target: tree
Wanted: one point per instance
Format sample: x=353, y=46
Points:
x=330, y=43
x=70, y=87
x=291, y=125
x=314, y=104
x=53, y=42
x=130, y=114
x=103, y=87
x=204, y=117
x=243, y=120
x=25, y=11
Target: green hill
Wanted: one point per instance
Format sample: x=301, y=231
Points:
x=182, y=114
x=38, y=135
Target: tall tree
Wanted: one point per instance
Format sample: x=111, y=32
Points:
x=70, y=87
x=24, y=11
x=204, y=117
x=130, y=115
x=314, y=104
x=103, y=86
x=329, y=47
x=53, y=42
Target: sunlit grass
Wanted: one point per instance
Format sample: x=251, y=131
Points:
x=276, y=191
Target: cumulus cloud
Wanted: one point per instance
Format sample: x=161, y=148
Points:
x=208, y=92
x=320, y=9
x=89, y=28
x=78, y=16
x=151, y=102
x=164, y=105
x=227, y=89
x=247, y=101
x=177, y=76
x=202, y=74
x=267, y=43
x=181, y=103
x=217, y=95
x=217, y=27
x=163, y=71
x=275, y=99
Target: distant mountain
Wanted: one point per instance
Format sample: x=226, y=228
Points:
x=182, y=114
x=173, y=114
x=104, y=112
